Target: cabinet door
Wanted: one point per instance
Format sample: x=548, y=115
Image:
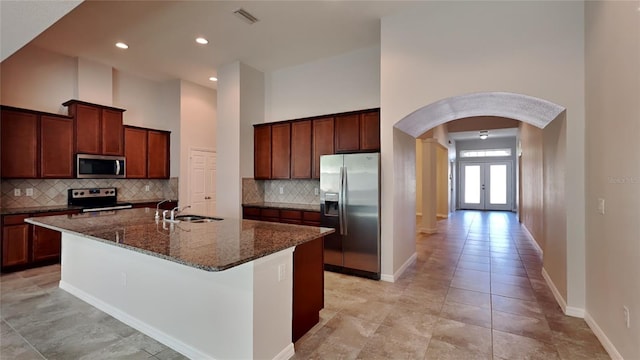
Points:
x=15, y=245
x=87, y=129
x=347, y=133
x=301, y=149
x=370, y=131
x=322, y=142
x=46, y=244
x=56, y=147
x=19, y=144
x=308, y=287
x=135, y=152
x=280, y=151
x=158, y=154
x=262, y=152
x=111, y=132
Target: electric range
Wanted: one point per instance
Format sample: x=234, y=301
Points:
x=96, y=199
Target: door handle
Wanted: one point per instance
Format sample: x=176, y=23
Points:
x=117, y=167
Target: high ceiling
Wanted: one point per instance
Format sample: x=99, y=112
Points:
x=161, y=34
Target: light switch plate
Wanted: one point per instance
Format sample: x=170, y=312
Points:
x=601, y=206
x=17, y=192
x=29, y=191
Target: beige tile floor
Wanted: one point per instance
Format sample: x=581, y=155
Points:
x=475, y=292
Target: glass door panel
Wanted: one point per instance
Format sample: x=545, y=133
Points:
x=498, y=184
x=472, y=188
x=486, y=186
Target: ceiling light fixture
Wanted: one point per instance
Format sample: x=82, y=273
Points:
x=484, y=134
x=122, y=45
x=213, y=78
x=246, y=16
x=202, y=41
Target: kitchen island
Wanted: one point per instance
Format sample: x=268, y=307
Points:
x=217, y=290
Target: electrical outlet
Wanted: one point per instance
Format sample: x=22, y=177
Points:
x=316, y=191
x=16, y=192
x=282, y=271
x=627, y=317
x=281, y=190
x=146, y=188
x=29, y=191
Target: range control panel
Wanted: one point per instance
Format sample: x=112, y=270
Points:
x=93, y=193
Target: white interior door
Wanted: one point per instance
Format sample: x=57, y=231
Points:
x=486, y=186
x=202, y=170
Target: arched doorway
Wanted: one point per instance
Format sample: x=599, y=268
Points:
x=536, y=112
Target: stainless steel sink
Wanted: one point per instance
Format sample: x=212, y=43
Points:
x=196, y=218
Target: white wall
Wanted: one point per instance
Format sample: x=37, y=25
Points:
x=251, y=112
x=37, y=79
x=331, y=85
x=531, y=48
x=613, y=173
x=95, y=82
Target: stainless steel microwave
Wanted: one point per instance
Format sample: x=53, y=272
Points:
x=99, y=166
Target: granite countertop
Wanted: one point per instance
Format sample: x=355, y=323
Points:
x=289, y=206
x=213, y=246
x=38, y=209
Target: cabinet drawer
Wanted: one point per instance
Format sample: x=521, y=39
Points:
x=251, y=211
x=290, y=214
x=311, y=216
x=270, y=213
x=15, y=219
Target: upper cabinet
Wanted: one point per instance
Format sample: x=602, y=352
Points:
x=146, y=153
x=301, y=149
x=292, y=149
x=36, y=144
x=358, y=132
x=322, y=142
x=98, y=129
x=262, y=151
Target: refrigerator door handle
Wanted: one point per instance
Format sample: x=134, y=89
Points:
x=340, y=201
x=345, y=222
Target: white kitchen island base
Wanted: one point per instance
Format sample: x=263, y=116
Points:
x=240, y=313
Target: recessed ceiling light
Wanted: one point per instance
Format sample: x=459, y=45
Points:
x=122, y=45
x=213, y=78
x=201, y=40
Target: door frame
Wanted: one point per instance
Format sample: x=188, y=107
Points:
x=485, y=165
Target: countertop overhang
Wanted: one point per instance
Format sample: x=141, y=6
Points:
x=213, y=246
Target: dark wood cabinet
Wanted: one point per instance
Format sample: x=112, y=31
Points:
x=370, y=131
x=158, y=154
x=25, y=245
x=262, y=152
x=15, y=245
x=358, y=132
x=308, y=286
x=280, y=151
x=46, y=244
x=36, y=144
x=56, y=147
x=347, y=133
x=112, y=132
x=147, y=153
x=322, y=142
x=289, y=216
x=19, y=144
x=301, y=149
x=98, y=129
x=164, y=206
x=135, y=152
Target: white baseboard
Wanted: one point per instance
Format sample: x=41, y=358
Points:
x=418, y=214
x=442, y=216
x=286, y=353
x=532, y=239
x=556, y=294
x=427, y=231
x=401, y=270
x=574, y=312
x=604, y=340
x=156, y=334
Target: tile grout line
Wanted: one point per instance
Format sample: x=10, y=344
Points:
x=23, y=339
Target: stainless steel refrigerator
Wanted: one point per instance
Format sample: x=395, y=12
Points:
x=350, y=203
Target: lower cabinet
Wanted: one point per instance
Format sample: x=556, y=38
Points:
x=308, y=286
x=25, y=245
x=164, y=206
x=298, y=217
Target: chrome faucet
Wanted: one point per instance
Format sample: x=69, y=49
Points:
x=158, y=208
x=177, y=210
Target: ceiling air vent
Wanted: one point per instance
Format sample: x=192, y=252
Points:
x=246, y=16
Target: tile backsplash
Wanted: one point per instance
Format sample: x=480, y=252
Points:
x=293, y=191
x=52, y=192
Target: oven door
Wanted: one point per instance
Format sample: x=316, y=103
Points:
x=99, y=166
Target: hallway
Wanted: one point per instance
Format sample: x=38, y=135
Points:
x=475, y=292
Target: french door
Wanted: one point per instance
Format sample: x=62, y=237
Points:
x=486, y=185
